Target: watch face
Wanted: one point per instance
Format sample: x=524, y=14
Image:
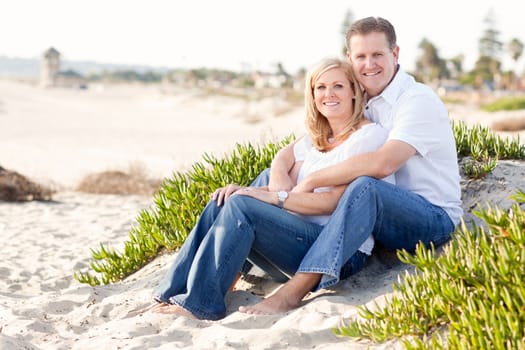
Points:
x=282, y=195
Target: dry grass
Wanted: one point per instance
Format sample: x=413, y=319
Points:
x=134, y=181
x=15, y=187
x=511, y=124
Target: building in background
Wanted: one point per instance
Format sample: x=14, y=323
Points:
x=49, y=67
x=51, y=76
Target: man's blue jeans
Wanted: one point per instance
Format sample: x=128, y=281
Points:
x=397, y=218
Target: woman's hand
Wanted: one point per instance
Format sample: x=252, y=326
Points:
x=303, y=186
x=222, y=194
x=260, y=193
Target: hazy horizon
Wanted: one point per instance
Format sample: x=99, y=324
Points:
x=239, y=35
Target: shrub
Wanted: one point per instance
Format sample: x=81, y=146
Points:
x=511, y=124
x=134, y=181
x=505, y=104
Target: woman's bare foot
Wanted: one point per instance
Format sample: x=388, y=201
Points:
x=287, y=298
x=173, y=309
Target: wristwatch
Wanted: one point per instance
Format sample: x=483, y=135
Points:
x=281, y=196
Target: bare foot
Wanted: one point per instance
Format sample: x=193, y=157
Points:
x=287, y=298
x=173, y=309
x=157, y=307
x=274, y=304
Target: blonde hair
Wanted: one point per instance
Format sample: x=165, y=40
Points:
x=316, y=124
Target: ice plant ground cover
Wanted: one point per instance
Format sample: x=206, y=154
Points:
x=470, y=296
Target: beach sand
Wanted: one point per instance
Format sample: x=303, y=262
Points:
x=57, y=136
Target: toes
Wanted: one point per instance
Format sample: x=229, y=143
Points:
x=158, y=308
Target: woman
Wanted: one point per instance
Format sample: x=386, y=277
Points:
x=280, y=227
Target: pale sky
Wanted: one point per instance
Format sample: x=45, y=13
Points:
x=241, y=34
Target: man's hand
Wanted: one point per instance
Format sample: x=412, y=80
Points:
x=304, y=187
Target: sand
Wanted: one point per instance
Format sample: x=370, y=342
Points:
x=57, y=136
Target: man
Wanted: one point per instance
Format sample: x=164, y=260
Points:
x=424, y=205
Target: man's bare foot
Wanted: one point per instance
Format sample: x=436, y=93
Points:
x=274, y=304
x=157, y=307
x=287, y=298
x=173, y=309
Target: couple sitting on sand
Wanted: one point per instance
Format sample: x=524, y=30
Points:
x=375, y=166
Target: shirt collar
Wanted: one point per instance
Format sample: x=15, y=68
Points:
x=394, y=88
